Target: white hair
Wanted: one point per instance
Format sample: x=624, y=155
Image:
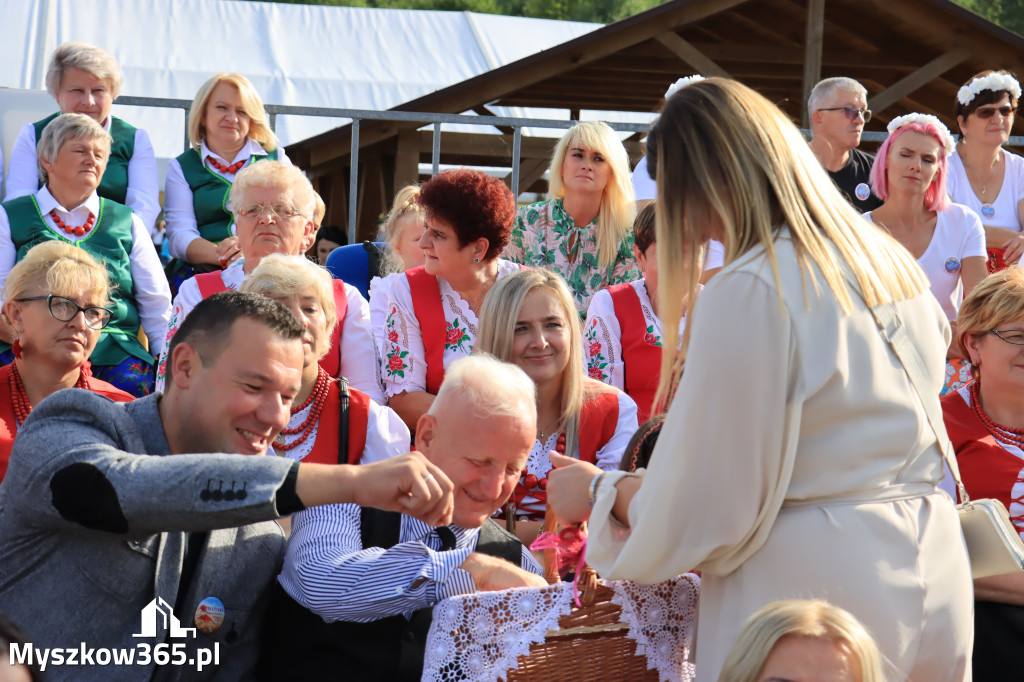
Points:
x=828, y=87
x=487, y=387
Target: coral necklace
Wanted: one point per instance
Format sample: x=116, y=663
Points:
x=22, y=407
x=230, y=169
x=318, y=396
x=1003, y=434
x=530, y=485
x=77, y=230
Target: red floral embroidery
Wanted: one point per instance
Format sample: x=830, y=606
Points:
x=454, y=335
x=595, y=348
x=595, y=373
x=651, y=339
x=393, y=336
x=395, y=363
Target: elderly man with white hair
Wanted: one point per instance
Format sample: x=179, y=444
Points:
x=273, y=204
x=85, y=79
x=74, y=151
x=374, y=576
x=838, y=110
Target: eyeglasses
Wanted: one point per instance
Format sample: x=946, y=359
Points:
x=1014, y=336
x=852, y=113
x=1005, y=112
x=279, y=211
x=64, y=310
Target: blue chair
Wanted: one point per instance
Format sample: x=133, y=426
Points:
x=357, y=264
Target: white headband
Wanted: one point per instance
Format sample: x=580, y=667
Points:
x=926, y=119
x=682, y=83
x=994, y=81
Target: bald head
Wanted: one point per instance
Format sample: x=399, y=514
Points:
x=479, y=431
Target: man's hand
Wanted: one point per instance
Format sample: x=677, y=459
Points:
x=408, y=483
x=491, y=573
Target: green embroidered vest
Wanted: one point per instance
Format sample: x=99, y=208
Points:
x=114, y=184
x=210, y=194
x=110, y=242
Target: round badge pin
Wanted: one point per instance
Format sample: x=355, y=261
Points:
x=862, y=191
x=988, y=210
x=209, y=615
x=952, y=265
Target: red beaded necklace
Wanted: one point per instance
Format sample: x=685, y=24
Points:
x=1004, y=434
x=530, y=485
x=230, y=169
x=77, y=230
x=22, y=407
x=318, y=396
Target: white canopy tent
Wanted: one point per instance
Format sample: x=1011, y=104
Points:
x=307, y=55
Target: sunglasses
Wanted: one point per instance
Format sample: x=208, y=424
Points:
x=1005, y=112
x=852, y=113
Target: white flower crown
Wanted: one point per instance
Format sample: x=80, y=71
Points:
x=682, y=83
x=993, y=81
x=900, y=121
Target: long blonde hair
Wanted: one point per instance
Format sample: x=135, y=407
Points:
x=496, y=335
x=727, y=158
x=618, y=203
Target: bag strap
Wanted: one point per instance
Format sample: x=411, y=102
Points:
x=895, y=333
x=343, y=428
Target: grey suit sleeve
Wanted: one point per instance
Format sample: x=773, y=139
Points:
x=76, y=465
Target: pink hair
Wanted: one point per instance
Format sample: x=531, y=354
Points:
x=935, y=198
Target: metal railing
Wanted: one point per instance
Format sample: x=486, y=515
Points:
x=358, y=115
x=425, y=118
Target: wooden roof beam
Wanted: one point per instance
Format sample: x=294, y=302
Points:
x=690, y=54
x=484, y=111
x=919, y=78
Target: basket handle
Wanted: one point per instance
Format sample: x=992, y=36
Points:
x=587, y=578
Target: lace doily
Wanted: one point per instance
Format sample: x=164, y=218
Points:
x=662, y=619
x=480, y=636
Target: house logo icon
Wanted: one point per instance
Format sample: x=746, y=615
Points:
x=158, y=611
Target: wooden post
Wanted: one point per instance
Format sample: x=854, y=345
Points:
x=812, y=53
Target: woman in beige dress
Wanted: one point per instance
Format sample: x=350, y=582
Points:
x=796, y=459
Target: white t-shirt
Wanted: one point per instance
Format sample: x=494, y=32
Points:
x=958, y=235
x=1010, y=193
x=644, y=187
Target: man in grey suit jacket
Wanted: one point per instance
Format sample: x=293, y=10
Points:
x=101, y=531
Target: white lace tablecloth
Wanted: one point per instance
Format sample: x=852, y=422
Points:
x=480, y=636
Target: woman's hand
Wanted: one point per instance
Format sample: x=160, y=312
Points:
x=1013, y=249
x=228, y=251
x=569, y=488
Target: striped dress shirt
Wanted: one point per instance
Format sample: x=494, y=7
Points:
x=328, y=571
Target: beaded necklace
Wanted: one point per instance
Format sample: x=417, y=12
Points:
x=1003, y=434
x=318, y=396
x=230, y=169
x=22, y=407
x=531, y=485
x=77, y=230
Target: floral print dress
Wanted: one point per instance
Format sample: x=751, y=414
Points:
x=546, y=236
x=402, y=354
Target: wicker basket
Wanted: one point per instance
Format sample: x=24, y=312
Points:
x=591, y=642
